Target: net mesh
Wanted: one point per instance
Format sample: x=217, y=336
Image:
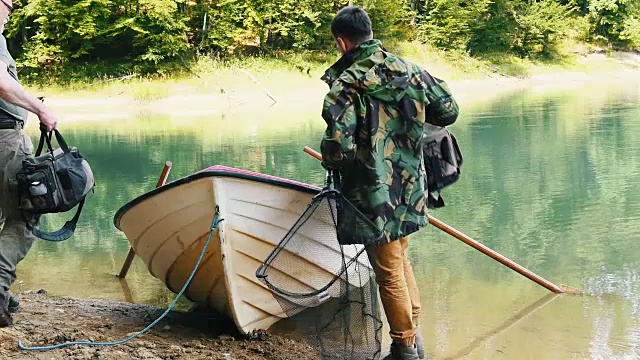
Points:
x=321, y=266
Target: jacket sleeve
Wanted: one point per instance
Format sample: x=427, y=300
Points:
x=442, y=109
x=338, y=145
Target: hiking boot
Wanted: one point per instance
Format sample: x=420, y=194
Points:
x=401, y=352
x=14, y=304
x=5, y=317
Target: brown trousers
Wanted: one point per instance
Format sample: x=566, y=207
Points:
x=398, y=289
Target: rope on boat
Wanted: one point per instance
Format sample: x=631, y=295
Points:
x=214, y=225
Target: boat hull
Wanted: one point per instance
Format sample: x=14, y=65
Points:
x=168, y=227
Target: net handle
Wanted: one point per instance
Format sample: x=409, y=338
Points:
x=327, y=180
x=317, y=155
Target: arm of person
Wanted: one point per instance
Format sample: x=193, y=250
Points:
x=338, y=145
x=13, y=92
x=442, y=109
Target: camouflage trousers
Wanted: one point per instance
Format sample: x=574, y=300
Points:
x=398, y=288
x=15, y=238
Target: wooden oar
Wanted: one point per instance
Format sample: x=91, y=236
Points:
x=132, y=254
x=485, y=250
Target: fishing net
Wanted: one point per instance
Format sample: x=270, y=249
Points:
x=321, y=276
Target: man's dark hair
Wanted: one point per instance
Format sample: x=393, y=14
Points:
x=352, y=23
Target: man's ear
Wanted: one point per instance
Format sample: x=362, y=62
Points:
x=341, y=45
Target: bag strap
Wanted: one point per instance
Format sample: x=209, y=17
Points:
x=46, y=137
x=63, y=233
x=61, y=141
x=43, y=137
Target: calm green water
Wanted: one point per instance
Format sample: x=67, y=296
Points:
x=550, y=180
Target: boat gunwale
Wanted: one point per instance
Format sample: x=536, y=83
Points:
x=217, y=171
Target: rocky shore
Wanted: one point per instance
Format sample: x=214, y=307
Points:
x=44, y=320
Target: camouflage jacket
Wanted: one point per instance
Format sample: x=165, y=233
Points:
x=375, y=112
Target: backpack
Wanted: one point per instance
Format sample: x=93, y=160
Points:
x=442, y=161
x=442, y=156
x=54, y=182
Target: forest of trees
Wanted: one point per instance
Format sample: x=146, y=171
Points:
x=53, y=33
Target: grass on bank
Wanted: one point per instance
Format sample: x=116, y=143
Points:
x=286, y=71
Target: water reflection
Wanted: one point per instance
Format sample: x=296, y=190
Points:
x=509, y=323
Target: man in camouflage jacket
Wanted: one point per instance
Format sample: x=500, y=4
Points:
x=375, y=112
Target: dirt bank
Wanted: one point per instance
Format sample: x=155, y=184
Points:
x=44, y=320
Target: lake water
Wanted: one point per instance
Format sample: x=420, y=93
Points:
x=550, y=180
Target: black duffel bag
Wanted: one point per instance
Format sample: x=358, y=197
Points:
x=54, y=182
x=442, y=160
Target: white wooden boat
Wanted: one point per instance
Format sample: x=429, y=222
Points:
x=168, y=227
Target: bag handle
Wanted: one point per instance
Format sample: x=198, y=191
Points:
x=63, y=233
x=45, y=136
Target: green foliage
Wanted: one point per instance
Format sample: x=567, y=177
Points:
x=631, y=32
x=283, y=24
x=540, y=25
x=217, y=25
x=156, y=30
x=287, y=24
x=391, y=19
x=579, y=28
x=495, y=30
x=615, y=22
x=527, y=29
x=54, y=32
x=147, y=36
x=60, y=29
x=607, y=16
x=451, y=24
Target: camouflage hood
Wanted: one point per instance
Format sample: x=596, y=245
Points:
x=371, y=69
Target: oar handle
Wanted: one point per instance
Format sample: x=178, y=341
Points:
x=313, y=153
x=476, y=245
